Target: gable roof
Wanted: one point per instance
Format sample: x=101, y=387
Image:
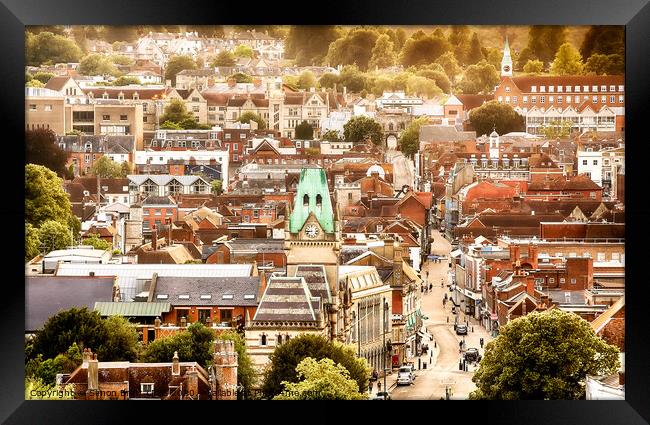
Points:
x=56, y=83
x=223, y=291
x=316, y=280
x=287, y=299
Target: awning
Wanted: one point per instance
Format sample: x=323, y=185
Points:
x=456, y=253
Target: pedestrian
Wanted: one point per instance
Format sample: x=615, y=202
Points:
x=379, y=386
x=430, y=286
x=481, y=342
x=370, y=387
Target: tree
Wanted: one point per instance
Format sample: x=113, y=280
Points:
x=422, y=86
x=459, y=38
x=600, y=64
x=249, y=116
x=243, y=51
x=216, y=186
x=533, y=66
x=438, y=76
x=352, y=78
x=34, y=83
x=46, y=370
x=332, y=136
x=543, y=356
x=410, y=137
x=424, y=50
x=475, y=51
x=246, y=375
x=96, y=242
x=50, y=48
x=545, y=40
x=479, y=78
x=304, y=131
x=321, y=380
x=240, y=77
x=32, y=242
x=45, y=198
x=170, y=125
x=176, y=112
x=498, y=116
x=121, y=60
x=194, y=344
x=286, y=357
x=35, y=389
x=43, y=77
x=524, y=57
x=309, y=44
x=125, y=81
x=126, y=33
x=96, y=64
x=355, y=48
x=121, y=341
x=493, y=57
x=306, y=80
x=41, y=148
x=224, y=58
x=54, y=29
x=106, y=168
x=450, y=65
x=177, y=64
x=383, y=54
x=54, y=235
x=359, y=129
x=556, y=129
x=328, y=80
x=604, y=40
x=567, y=61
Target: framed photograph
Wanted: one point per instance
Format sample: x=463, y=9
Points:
x=420, y=201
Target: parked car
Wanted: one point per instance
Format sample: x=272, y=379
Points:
x=405, y=376
x=381, y=396
x=472, y=355
x=461, y=329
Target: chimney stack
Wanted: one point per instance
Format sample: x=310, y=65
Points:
x=192, y=390
x=93, y=375
x=154, y=238
x=176, y=367
x=225, y=366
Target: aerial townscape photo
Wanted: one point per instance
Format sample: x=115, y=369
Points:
x=241, y=212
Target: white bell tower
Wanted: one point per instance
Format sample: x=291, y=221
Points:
x=506, y=61
x=494, y=145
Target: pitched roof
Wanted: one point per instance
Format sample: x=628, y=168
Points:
x=287, y=299
x=56, y=83
x=45, y=296
x=524, y=83
x=132, y=309
x=220, y=291
x=316, y=279
x=579, y=182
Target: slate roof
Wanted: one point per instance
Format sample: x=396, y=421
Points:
x=113, y=185
x=163, y=179
x=287, y=299
x=316, y=279
x=47, y=295
x=197, y=289
x=109, y=144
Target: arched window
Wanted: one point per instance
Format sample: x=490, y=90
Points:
x=390, y=126
x=305, y=200
x=263, y=339
x=287, y=337
x=279, y=339
x=319, y=202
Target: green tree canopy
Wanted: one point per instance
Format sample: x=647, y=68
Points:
x=46, y=370
x=352, y=78
x=524, y=57
x=495, y=115
x=50, y=48
x=309, y=44
x=121, y=60
x=176, y=112
x=209, y=31
x=321, y=380
x=603, y=39
x=35, y=389
x=240, y=77
x=355, y=48
x=34, y=83
x=533, y=66
x=249, y=116
x=410, y=137
x=43, y=77
x=545, y=40
x=479, y=78
x=177, y=64
x=567, y=61
x=96, y=64
x=600, y=64
x=424, y=50
x=306, y=80
x=332, y=136
x=459, y=39
x=450, y=65
x=328, y=80
x=113, y=33
x=543, y=356
x=41, y=148
x=54, y=235
x=125, y=81
x=97, y=242
x=421, y=86
x=358, y=129
x=45, y=198
x=106, y=168
x=438, y=76
x=475, y=51
x=383, y=53
x=243, y=51
x=246, y=375
x=224, y=58
x=32, y=242
x=304, y=131
x=217, y=186
x=195, y=344
x=286, y=357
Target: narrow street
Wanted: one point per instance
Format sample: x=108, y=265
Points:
x=431, y=383
x=403, y=169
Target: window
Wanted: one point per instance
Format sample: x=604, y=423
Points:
x=603, y=89
x=551, y=99
x=616, y=256
x=592, y=195
x=600, y=256
x=525, y=99
x=533, y=99
x=533, y=89
x=620, y=99
x=573, y=280
x=612, y=99
x=551, y=89
x=48, y=108
x=568, y=89
x=595, y=162
x=500, y=98
x=507, y=99
x=146, y=388
x=195, y=109
x=594, y=99
x=227, y=136
x=514, y=100
x=242, y=136
x=577, y=89
x=106, y=117
x=612, y=88
x=263, y=339
x=562, y=280
x=144, y=119
x=144, y=107
x=559, y=99
x=584, y=162
x=603, y=99
x=542, y=89
x=551, y=280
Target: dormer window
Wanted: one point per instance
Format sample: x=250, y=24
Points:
x=105, y=96
x=88, y=147
x=305, y=200
x=136, y=96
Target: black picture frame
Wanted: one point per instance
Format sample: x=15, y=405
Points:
x=634, y=14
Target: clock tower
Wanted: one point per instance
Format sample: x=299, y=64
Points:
x=506, y=61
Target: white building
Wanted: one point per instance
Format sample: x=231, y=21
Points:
x=585, y=119
x=151, y=157
x=165, y=184
x=602, y=166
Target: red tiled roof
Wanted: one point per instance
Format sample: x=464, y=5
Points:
x=56, y=83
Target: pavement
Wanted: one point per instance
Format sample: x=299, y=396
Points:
x=442, y=373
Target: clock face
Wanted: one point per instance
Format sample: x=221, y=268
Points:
x=506, y=68
x=311, y=231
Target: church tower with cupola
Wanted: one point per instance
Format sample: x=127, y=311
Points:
x=506, y=61
x=494, y=145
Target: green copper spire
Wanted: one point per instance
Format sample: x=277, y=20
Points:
x=312, y=196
